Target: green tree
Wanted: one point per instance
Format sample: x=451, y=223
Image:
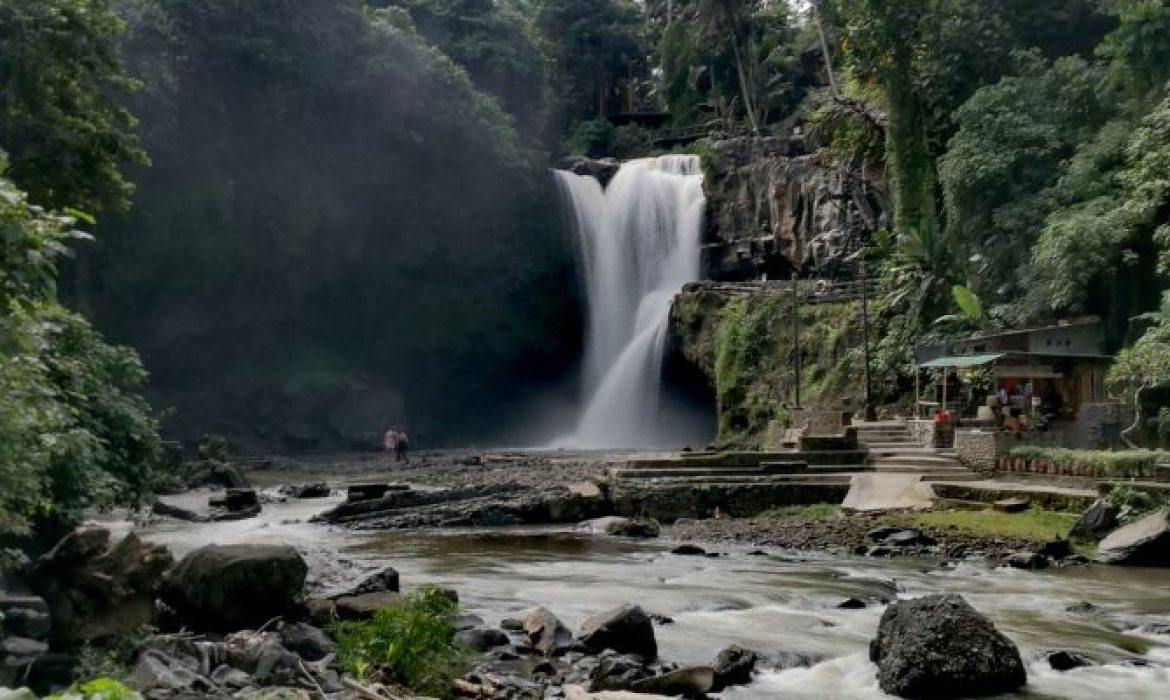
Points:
x=74, y=432
x=1012, y=142
x=594, y=51
x=67, y=135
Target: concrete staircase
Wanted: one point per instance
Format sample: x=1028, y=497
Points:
x=892, y=450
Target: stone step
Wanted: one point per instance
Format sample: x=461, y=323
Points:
x=793, y=479
x=914, y=459
x=927, y=472
x=891, y=444
x=701, y=472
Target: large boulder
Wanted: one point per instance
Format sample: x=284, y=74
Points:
x=545, y=632
x=626, y=630
x=222, y=588
x=1145, y=542
x=940, y=647
x=97, y=590
x=1097, y=521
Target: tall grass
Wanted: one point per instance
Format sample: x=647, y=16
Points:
x=409, y=644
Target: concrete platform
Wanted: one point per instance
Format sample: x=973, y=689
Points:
x=870, y=492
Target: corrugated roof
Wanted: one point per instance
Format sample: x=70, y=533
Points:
x=963, y=360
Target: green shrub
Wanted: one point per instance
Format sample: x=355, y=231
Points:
x=1132, y=503
x=74, y=430
x=410, y=644
x=97, y=689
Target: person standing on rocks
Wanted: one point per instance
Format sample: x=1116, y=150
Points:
x=401, y=447
x=390, y=440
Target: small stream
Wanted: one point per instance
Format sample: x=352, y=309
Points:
x=781, y=603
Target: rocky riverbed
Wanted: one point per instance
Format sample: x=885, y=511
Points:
x=801, y=597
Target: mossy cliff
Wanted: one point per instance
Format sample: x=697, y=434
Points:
x=741, y=337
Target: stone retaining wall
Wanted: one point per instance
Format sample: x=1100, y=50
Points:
x=816, y=423
x=930, y=434
x=980, y=450
x=669, y=502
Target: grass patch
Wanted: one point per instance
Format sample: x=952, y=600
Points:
x=1033, y=524
x=1108, y=462
x=408, y=644
x=812, y=512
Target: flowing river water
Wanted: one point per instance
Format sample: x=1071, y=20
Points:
x=782, y=604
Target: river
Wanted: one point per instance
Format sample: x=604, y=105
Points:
x=781, y=604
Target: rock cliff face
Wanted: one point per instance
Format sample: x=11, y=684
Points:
x=774, y=208
x=739, y=335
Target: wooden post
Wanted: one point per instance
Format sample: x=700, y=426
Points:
x=796, y=336
x=870, y=410
x=944, y=397
x=917, y=393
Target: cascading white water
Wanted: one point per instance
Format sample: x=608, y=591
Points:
x=639, y=244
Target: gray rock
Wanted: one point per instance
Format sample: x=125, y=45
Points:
x=938, y=646
x=157, y=671
x=626, y=630
x=693, y=681
x=1058, y=548
x=1027, y=560
x=1063, y=660
x=545, y=632
x=232, y=587
x=908, y=538
x=1145, y=542
x=97, y=589
x=632, y=527
x=733, y=666
x=616, y=672
x=482, y=639
x=23, y=649
x=230, y=677
x=467, y=622
x=384, y=580
x=1097, y=521
x=602, y=169
x=12, y=601
x=316, y=490
x=363, y=607
x=306, y=641
x=26, y=622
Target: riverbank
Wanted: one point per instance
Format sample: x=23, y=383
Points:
x=950, y=534
x=472, y=482
x=794, y=585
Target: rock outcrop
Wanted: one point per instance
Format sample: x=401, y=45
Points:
x=97, y=590
x=939, y=646
x=774, y=207
x=626, y=630
x=1096, y=522
x=1145, y=542
x=545, y=632
x=233, y=587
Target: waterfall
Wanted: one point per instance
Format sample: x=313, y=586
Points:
x=638, y=244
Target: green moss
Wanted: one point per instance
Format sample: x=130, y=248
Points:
x=1033, y=524
x=818, y=511
x=744, y=344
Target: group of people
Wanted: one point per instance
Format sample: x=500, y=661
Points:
x=396, y=441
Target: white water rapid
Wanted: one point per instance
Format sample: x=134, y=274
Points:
x=639, y=244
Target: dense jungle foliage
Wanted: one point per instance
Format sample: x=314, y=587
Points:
x=315, y=218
